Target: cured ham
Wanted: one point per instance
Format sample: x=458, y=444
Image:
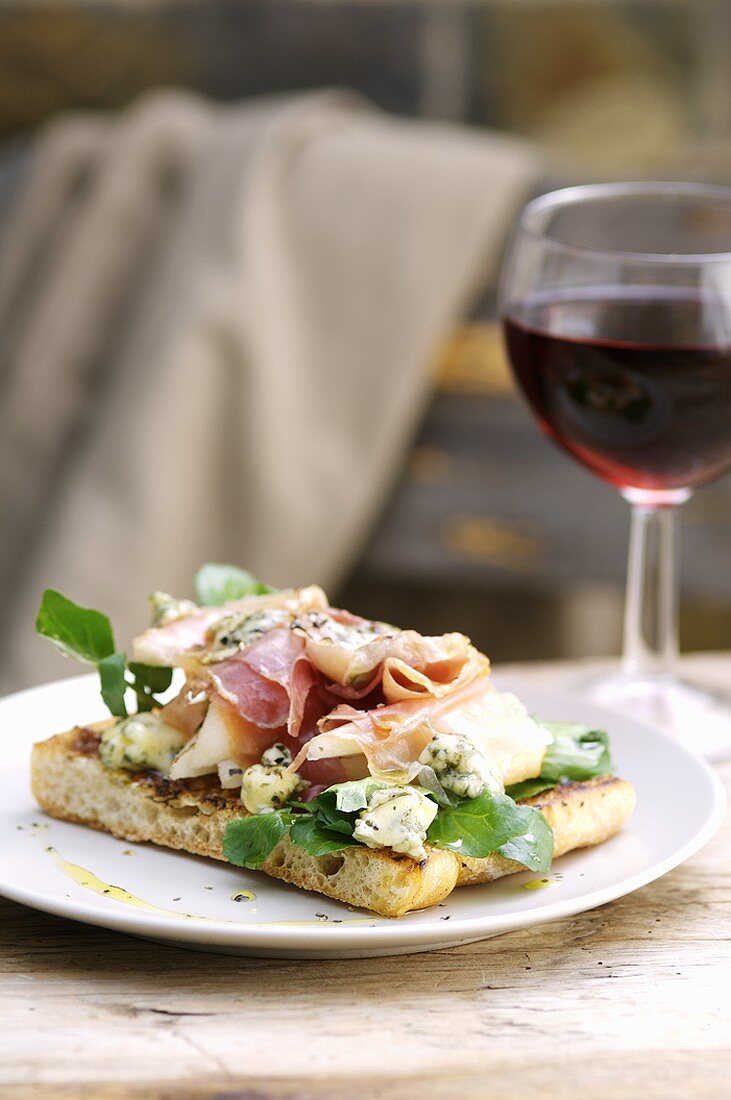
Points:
x=348, y=696
x=187, y=710
x=392, y=737
x=354, y=654
x=357, y=692
x=269, y=681
x=226, y=735
x=173, y=642
x=263, y=702
x=347, y=650
x=417, y=667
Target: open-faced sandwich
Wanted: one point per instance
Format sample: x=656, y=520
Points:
x=371, y=764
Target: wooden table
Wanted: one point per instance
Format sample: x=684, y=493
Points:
x=631, y=1000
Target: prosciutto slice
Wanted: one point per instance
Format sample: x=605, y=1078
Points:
x=354, y=655
x=268, y=682
x=187, y=710
x=417, y=667
x=227, y=735
x=348, y=696
x=172, y=643
x=392, y=737
x=355, y=692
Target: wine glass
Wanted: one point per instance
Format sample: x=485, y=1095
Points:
x=616, y=307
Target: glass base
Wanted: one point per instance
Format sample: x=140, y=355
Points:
x=701, y=719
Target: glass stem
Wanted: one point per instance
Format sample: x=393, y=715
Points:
x=651, y=608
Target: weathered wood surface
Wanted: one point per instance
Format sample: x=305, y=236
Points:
x=630, y=1000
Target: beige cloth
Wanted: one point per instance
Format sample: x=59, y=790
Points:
x=218, y=324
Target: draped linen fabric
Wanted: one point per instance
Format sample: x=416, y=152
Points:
x=218, y=324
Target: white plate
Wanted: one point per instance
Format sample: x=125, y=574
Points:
x=680, y=806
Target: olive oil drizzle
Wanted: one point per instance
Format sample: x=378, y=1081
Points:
x=83, y=877
x=92, y=882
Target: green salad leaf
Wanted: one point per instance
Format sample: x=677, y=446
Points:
x=250, y=841
x=529, y=787
x=334, y=813
x=533, y=849
x=87, y=636
x=482, y=825
x=472, y=827
x=578, y=752
x=113, y=683
x=309, y=832
x=318, y=827
x=323, y=825
x=76, y=631
x=147, y=681
x=217, y=584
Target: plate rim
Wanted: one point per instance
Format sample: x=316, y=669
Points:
x=329, y=938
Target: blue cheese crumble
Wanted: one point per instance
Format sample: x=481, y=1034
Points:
x=277, y=754
x=165, y=608
x=266, y=785
x=459, y=766
x=396, y=818
x=267, y=788
x=139, y=743
x=234, y=632
x=321, y=627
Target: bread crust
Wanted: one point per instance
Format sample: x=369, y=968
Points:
x=70, y=782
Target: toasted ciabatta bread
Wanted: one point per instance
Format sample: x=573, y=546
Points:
x=70, y=782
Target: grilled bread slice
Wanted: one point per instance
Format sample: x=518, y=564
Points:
x=70, y=782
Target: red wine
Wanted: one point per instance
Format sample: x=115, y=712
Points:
x=634, y=382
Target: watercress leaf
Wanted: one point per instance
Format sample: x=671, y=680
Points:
x=146, y=680
x=534, y=849
x=337, y=823
x=78, y=632
x=145, y=701
x=308, y=833
x=250, y=841
x=577, y=752
x=217, y=584
x=155, y=678
x=113, y=683
x=479, y=826
x=529, y=787
x=328, y=815
x=343, y=825
x=336, y=809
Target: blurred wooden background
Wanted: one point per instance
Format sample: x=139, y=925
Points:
x=490, y=528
